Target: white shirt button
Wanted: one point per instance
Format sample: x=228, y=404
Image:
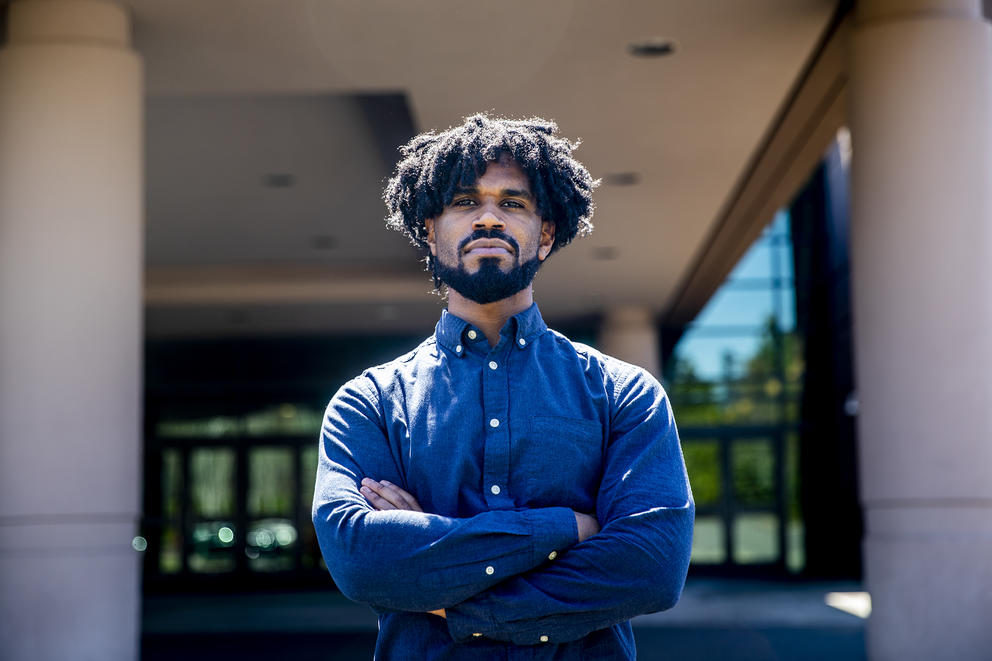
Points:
x=493, y=365
x=472, y=335
x=552, y=555
x=490, y=570
x=522, y=342
x=544, y=639
x=494, y=423
x=458, y=349
x=495, y=489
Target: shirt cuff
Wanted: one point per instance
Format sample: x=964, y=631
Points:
x=464, y=628
x=553, y=530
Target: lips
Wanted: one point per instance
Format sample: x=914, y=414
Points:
x=489, y=247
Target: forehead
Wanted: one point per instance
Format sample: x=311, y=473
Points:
x=502, y=174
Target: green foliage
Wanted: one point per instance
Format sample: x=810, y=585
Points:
x=766, y=391
x=702, y=461
x=753, y=465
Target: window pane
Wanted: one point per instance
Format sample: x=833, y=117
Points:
x=270, y=481
x=738, y=306
x=310, y=553
x=756, y=262
x=213, y=427
x=755, y=538
x=787, y=309
x=702, y=461
x=212, y=482
x=717, y=358
x=708, y=541
x=272, y=538
x=278, y=420
x=170, y=558
x=284, y=420
x=753, y=463
x=270, y=543
x=308, y=473
x=213, y=547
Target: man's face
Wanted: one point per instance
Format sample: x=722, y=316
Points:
x=489, y=242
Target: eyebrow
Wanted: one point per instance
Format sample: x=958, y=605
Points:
x=506, y=192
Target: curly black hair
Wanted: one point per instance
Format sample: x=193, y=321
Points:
x=435, y=165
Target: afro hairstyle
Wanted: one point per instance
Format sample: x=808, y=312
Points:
x=434, y=165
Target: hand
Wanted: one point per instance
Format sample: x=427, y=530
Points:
x=387, y=496
x=587, y=524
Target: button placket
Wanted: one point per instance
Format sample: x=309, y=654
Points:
x=495, y=392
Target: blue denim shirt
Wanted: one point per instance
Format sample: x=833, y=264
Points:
x=499, y=445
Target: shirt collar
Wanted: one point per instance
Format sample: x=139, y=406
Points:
x=523, y=327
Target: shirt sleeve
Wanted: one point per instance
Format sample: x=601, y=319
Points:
x=403, y=560
x=638, y=561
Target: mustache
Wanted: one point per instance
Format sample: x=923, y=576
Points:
x=489, y=234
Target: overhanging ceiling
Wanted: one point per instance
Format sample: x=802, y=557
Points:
x=265, y=166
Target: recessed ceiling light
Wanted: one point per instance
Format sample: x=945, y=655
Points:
x=323, y=242
x=605, y=253
x=621, y=178
x=654, y=47
x=238, y=317
x=279, y=180
x=387, y=313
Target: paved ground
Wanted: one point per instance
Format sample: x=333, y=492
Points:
x=716, y=619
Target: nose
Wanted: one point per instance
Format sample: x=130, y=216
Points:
x=487, y=220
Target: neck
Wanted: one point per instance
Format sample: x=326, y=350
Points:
x=489, y=317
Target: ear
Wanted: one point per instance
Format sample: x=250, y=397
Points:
x=547, y=239
x=431, y=243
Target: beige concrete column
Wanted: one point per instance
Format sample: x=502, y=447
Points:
x=921, y=122
x=629, y=333
x=70, y=332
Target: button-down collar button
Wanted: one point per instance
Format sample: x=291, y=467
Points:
x=472, y=335
x=552, y=555
x=522, y=342
x=477, y=635
x=494, y=423
x=490, y=570
x=458, y=349
x=495, y=489
x=493, y=364
x=544, y=639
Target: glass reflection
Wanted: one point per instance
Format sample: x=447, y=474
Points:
x=755, y=538
x=270, y=544
x=212, y=543
x=708, y=541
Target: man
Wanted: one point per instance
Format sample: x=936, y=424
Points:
x=501, y=492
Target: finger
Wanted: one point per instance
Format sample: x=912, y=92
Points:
x=388, y=492
x=398, y=496
x=375, y=500
x=395, y=496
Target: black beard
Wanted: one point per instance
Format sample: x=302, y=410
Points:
x=489, y=283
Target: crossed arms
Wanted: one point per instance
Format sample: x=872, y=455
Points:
x=387, y=496
x=511, y=575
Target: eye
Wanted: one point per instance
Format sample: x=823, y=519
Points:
x=463, y=202
x=513, y=204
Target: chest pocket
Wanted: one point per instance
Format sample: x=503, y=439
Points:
x=561, y=462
